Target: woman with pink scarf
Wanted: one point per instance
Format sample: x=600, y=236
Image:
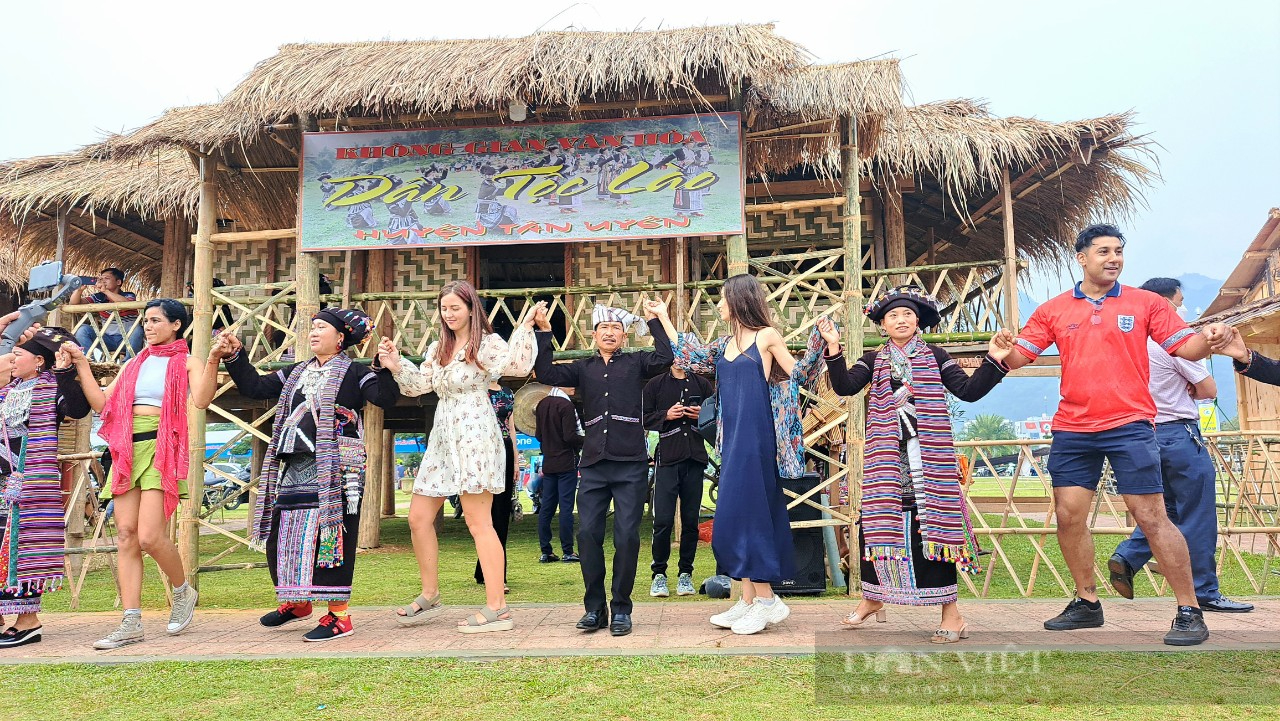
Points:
x=144, y=421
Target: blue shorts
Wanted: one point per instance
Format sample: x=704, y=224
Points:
x=1075, y=459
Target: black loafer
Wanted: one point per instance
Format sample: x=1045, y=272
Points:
x=1121, y=575
x=1222, y=604
x=593, y=621
x=570, y=557
x=621, y=625
x=548, y=558
x=12, y=637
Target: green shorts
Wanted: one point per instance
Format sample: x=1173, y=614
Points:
x=144, y=474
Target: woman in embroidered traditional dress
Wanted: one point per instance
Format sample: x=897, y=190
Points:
x=914, y=530
x=144, y=421
x=465, y=451
x=759, y=441
x=308, y=513
x=504, y=403
x=43, y=391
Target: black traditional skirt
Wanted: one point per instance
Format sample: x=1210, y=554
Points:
x=295, y=536
x=918, y=582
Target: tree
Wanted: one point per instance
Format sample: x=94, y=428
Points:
x=989, y=427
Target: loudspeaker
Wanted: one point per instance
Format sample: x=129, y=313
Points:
x=810, y=556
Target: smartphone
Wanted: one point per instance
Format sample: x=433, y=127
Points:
x=693, y=401
x=45, y=276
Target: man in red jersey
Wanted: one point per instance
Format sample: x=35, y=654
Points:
x=1106, y=413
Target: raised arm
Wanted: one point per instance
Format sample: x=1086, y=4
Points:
x=203, y=377
x=71, y=400
x=845, y=379
x=247, y=379
x=378, y=386
x=412, y=380
x=544, y=365
x=968, y=388
x=93, y=393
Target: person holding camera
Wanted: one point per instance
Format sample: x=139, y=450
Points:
x=671, y=404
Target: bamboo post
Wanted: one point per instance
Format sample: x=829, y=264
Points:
x=736, y=254
x=201, y=330
x=79, y=430
x=371, y=505
x=389, y=488
x=308, y=276
x=895, y=232
x=1010, y=255
x=682, y=273
x=852, y=235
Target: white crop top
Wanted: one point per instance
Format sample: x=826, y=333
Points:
x=149, y=391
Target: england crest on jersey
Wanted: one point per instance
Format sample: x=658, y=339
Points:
x=1125, y=322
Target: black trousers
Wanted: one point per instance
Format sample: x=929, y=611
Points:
x=625, y=484
x=501, y=512
x=683, y=481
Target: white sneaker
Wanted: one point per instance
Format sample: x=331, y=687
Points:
x=761, y=616
x=129, y=631
x=184, y=608
x=728, y=618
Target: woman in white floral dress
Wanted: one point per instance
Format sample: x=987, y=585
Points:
x=464, y=451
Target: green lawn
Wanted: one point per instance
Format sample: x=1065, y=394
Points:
x=1051, y=686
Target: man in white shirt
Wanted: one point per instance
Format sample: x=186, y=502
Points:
x=1190, y=493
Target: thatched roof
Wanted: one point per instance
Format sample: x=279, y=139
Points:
x=115, y=209
x=437, y=77
x=807, y=105
x=1248, y=273
x=157, y=185
x=1063, y=175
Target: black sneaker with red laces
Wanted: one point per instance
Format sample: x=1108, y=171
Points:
x=288, y=612
x=330, y=627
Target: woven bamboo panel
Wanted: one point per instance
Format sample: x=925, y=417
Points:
x=624, y=262
x=241, y=263
x=423, y=270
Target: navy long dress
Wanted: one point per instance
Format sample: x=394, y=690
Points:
x=751, y=536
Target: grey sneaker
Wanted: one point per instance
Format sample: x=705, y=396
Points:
x=658, y=589
x=184, y=607
x=684, y=586
x=130, y=631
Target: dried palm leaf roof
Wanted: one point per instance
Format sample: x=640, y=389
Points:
x=441, y=76
x=804, y=108
x=157, y=185
x=1063, y=175
x=115, y=209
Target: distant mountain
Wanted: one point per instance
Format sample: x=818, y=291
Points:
x=1019, y=398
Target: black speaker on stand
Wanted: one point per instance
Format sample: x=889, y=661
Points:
x=810, y=556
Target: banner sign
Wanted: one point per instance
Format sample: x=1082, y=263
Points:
x=523, y=183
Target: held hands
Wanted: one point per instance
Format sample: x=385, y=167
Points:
x=73, y=354
x=1228, y=341
x=1001, y=344
x=538, y=317
x=388, y=355
x=676, y=412
x=541, y=317
x=655, y=309
x=830, y=334
x=62, y=359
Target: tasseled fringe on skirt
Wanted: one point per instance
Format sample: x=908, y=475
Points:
x=36, y=586
x=959, y=555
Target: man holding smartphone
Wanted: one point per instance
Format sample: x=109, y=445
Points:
x=671, y=403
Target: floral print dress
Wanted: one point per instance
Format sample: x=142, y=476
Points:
x=465, y=448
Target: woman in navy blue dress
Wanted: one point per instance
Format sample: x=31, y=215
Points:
x=759, y=441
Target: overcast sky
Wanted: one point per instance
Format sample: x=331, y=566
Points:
x=1204, y=78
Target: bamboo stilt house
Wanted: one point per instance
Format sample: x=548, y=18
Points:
x=845, y=191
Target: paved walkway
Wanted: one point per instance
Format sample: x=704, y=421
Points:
x=660, y=628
